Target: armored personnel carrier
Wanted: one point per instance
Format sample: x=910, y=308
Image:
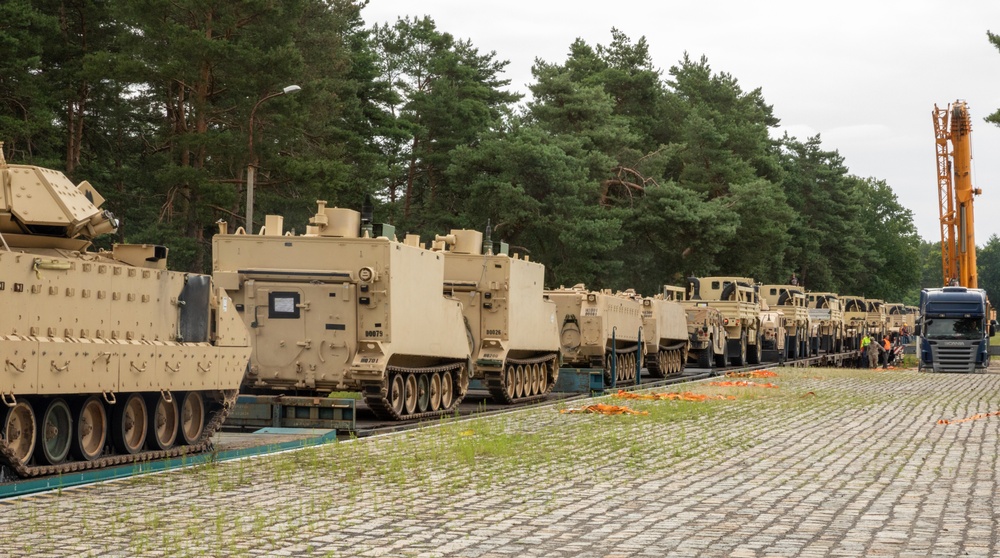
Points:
x=791, y=300
x=825, y=311
x=665, y=335
x=738, y=301
x=514, y=330
x=107, y=357
x=594, y=324
x=707, y=337
x=346, y=307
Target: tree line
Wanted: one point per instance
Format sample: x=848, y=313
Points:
x=611, y=171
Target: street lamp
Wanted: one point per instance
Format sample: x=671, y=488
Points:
x=251, y=168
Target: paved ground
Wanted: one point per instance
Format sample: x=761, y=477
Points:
x=831, y=463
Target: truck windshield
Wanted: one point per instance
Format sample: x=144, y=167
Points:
x=954, y=328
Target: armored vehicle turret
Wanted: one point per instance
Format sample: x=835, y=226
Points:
x=514, y=331
x=107, y=357
x=347, y=307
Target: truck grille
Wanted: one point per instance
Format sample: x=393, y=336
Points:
x=954, y=359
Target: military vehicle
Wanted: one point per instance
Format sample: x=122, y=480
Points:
x=347, y=307
x=774, y=336
x=595, y=324
x=855, y=325
x=707, y=337
x=896, y=314
x=665, y=335
x=791, y=300
x=738, y=301
x=109, y=358
x=877, y=320
x=826, y=312
x=513, y=328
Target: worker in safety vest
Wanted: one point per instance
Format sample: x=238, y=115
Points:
x=887, y=345
x=865, y=341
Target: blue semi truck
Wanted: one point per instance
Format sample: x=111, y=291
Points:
x=954, y=329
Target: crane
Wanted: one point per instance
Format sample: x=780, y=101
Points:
x=952, y=132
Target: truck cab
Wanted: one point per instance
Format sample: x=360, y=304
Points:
x=955, y=329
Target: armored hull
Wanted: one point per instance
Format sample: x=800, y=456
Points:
x=107, y=356
x=664, y=332
x=513, y=328
x=330, y=310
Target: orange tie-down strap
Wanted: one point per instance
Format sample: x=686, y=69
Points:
x=976, y=416
x=752, y=374
x=742, y=383
x=602, y=409
x=672, y=396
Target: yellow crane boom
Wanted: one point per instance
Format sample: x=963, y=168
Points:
x=953, y=141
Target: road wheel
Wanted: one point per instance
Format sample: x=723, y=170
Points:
x=91, y=429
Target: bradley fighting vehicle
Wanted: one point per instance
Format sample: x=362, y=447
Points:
x=514, y=331
x=594, y=324
x=105, y=357
x=738, y=301
x=826, y=312
x=791, y=300
x=346, y=307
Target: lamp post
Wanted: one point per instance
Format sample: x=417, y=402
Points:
x=252, y=167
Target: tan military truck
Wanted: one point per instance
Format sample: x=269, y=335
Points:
x=737, y=299
x=665, y=336
x=896, y=314
x=514, y=329
x=791, y=300
x=108, y=357
x=855, y=324
x=774, y=336
x=707, y=336
x=826, y=312
x=877, y=320
x=347, y=308
x=595, y=324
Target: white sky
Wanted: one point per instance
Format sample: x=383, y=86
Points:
x=865, y=75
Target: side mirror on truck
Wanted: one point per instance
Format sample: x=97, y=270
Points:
x=916, y=330
x=993, y=328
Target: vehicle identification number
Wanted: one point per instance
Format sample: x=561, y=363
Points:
x=590, y=312
x=492, y=332
x=373, y=333
x=369, y=360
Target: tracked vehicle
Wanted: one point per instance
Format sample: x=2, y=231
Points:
x=514, y=330
x=594, y=324
x=664, y=333
x=791, y=300
x=347, y=308
x=105, y=357
x=738, y=301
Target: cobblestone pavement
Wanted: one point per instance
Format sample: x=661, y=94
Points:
x=830, y=463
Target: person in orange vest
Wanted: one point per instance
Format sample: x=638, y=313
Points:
x=887, y=345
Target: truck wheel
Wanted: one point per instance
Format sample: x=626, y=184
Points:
x=705, y=357
x=720, y=359
x=740, y=359
x=793, y=347
x=754, y=353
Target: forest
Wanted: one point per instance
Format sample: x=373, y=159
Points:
x=611, y=171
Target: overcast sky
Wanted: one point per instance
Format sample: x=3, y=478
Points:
x=865, y=75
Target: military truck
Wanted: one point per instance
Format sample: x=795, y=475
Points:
x=109, y=358
x=513, y=328
x=347, y=307
x=791, y=300
x=595, y=324
x=855, y=321
x=876, y=318
x=774, y=335
x=738, y=301
x=826, y=312
x=665, y=335
x=896, y=314
x=707, y=336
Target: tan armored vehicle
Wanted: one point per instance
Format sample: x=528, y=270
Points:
x=707, y=337
x=337, y=310
x=774, y=335
x=108, y=358
x=855, y=325
x=737, y=299
x=592, y=324
x=791, y=300
x=665, y=335
x=896, y=314
x=514, y=330
x=877, y=320
x=826, y=312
